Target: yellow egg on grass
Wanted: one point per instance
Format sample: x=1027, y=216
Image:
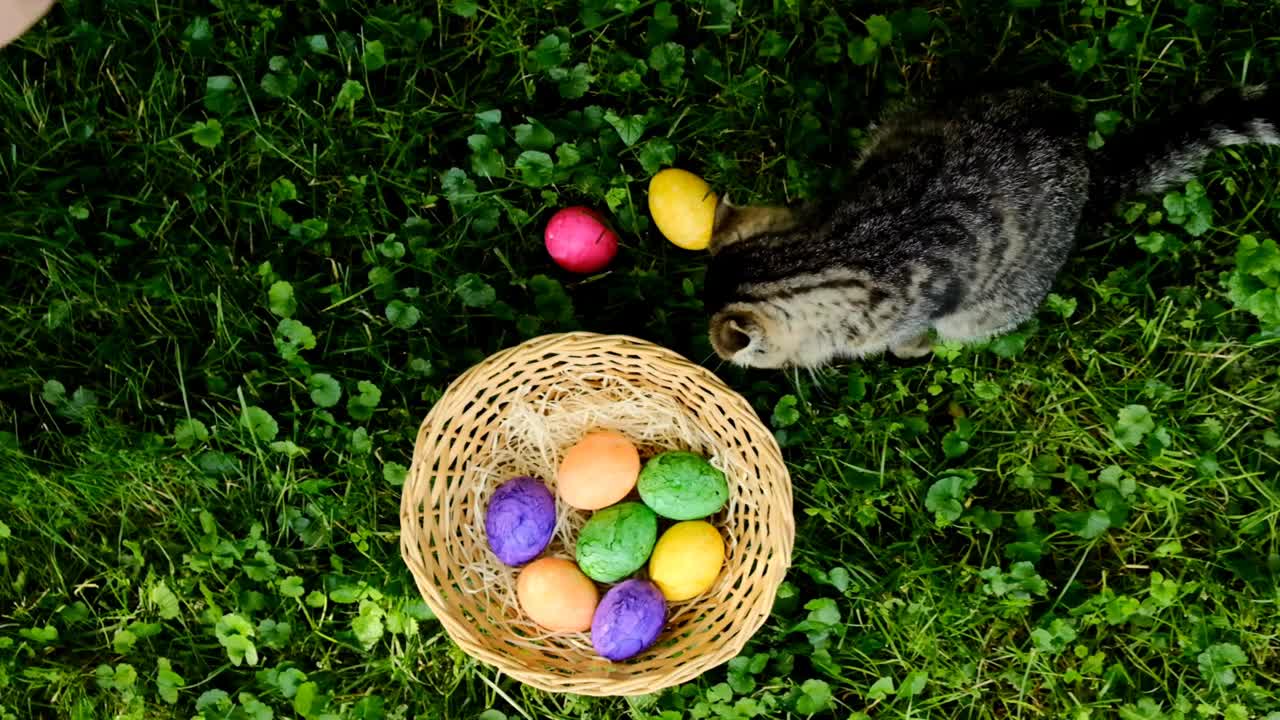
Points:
x=683, y=206
x=687, y=560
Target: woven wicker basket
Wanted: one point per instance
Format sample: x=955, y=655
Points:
x=439, y=501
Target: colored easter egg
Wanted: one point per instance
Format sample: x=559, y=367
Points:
x=682, y=486
x=687, y=560
x=598, y=471
x=617, y=541
x=683, y=206
x=580, y=240
x=520, y=520
x=555, y=594
x=628, y=620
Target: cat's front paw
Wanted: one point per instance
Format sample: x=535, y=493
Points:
x=912, y=349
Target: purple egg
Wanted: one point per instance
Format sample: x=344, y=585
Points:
x=628, y=620
x=521, y=520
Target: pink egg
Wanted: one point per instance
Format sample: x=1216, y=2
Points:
x=580, y=240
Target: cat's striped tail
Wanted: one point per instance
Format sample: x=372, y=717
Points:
x=1163, y=154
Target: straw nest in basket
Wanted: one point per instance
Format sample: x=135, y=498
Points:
x=515, y=414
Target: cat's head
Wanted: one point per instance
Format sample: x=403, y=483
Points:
x=780, y=297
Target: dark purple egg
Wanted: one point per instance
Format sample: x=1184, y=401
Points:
x=628, y=620
x=520, y=520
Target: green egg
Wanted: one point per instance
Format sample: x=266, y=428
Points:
x=682, y=486
x=617, y=541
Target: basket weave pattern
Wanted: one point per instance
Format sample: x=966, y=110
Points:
x=439, y=500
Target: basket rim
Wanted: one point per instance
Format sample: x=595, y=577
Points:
x=751, y=617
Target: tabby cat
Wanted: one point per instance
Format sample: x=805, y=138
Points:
x=959, y=221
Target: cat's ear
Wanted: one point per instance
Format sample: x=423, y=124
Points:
x=725, y=211
x=735, y=223
x=733, y=332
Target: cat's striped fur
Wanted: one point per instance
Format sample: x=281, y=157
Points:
x=959, y=220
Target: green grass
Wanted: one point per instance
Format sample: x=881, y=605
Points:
x=247, y=245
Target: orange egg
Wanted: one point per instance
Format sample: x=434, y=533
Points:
x=555, y=594
x=598, y=471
